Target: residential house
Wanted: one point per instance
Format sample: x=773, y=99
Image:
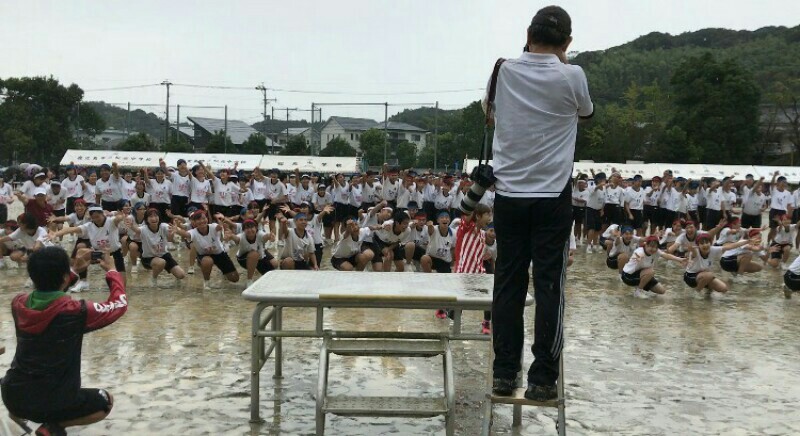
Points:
x=237, y=130
x=351, y=129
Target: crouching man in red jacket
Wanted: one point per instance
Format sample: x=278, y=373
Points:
x=43, y=383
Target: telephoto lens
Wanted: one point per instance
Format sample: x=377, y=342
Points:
x=483, y=176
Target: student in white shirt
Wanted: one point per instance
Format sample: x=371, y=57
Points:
x=298, y=251
x=73, y=185
x=57, y=198
x=594, y=211
x=640, y=272
x=199, y=187
x=348, y=255
x=782, y=202
x=206, y=240
x=702, y=256
x=781, y=245
x=791, y=279
x=28, y=238
x=740, y=260
x=623, y=246
x=321, y=199
x=652, y=213
x=90, y=189
x=160, y=190
x=439, y=254
x=418, y=239
x=633, y=198
x=387, y=240
x=180, y=189
x=108, y=188
x=251, y=253
x=6, y=198
x=103, y=234
x=154, y=236
x=141, y=195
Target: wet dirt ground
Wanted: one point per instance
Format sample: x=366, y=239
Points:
x=178, y=361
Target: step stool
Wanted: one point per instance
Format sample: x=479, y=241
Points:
x=517, y=399
x=405, y=407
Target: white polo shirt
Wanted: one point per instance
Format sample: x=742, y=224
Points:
x=536, y=111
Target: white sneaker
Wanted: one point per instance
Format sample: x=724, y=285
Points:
x=206, y=285
x=153, y=282
x=589, y=249
x=640, y=293
x=81, y=285
x=135, y=269
x=29, y=283
x=190, y=270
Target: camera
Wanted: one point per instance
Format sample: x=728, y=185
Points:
x=96, y=256
x=483, y=176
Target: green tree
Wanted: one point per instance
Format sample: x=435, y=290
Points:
x=220, y=143
x=177, y=145
x=785, y=96
x=373, y=143
x=406, y=154
x=338, y=147
x=37, y=118
x=256, y=143
x=717, y=105
x=138, y=142
x=90, y=121
x=296, y=147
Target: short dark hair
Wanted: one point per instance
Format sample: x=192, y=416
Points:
x=550, y=26
x=28, y=221
x=400, y=216
x=47, y=268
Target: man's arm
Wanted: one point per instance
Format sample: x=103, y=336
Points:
x=99, y=315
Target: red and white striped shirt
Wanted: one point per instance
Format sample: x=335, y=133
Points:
x=469, y=248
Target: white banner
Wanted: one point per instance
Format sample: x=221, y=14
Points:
x=217, y=161
x=94, y=158
x=687, y=171
x=311, y=163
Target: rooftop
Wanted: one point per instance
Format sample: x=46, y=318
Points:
x=238, y=131
x=363, y=124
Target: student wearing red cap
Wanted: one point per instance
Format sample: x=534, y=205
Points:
x=740, y=260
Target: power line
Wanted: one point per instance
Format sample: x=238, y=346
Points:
x=119, y=88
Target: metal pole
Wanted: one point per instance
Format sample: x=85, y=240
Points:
x=435, y=134
x=276, y=136
x=311, y=133
x=287, y=126
x=264, y=127
x=385, y=129
x=166, y=120
x=178, y=123
x=225, y=133
x=128, y=120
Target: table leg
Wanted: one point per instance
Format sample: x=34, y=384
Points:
x=256, y=353
x=277, y=325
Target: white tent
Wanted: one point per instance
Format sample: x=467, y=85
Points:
x=312, y=163
x=133, y=159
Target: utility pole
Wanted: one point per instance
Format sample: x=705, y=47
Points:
x=167, y=83
x=263, y=90
x=435, y=134
x=178, y=123
x=276, y=136
x=225, y=132
x=128, y=120
x=385, y=129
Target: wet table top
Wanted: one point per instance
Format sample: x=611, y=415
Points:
x=370, y=289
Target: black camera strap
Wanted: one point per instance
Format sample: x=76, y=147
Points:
x=484, y=156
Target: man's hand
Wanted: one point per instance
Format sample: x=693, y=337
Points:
x=107, y=262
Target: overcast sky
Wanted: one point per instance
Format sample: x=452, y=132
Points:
x=387, y=48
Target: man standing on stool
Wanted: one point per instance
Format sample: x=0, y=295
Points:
x=539, y=99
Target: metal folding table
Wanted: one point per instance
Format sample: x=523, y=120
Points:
x=335, y=289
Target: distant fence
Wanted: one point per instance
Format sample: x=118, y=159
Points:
x=247, y=162
x=688, y=171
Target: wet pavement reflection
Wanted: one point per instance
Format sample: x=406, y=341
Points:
x=685, y=363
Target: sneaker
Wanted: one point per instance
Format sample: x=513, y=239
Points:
x=50, y=429
x=171, y=246
x=486, y=327
x=29, y=283
x=503, y=387
x=541, y=393
x=787, y=293
x=206, y=285
x=589, y=249
x=153, y=282
x=640, y=293
x=135, y=269
x=441, y=314
x=81, y=285
x=190, y=270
